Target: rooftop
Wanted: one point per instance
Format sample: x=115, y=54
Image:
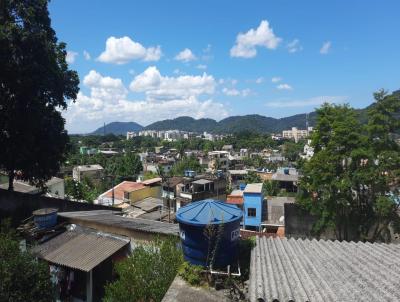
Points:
x=125, y=186
x=80, y=249
x=89, y=167
x=152, y=181
x=119, y=225
x=253, y=188
x=312, y=270
x=201, y=182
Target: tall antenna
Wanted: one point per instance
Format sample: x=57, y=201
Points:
x=104, y=129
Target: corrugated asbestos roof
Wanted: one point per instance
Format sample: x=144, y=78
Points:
x=310, y=270
x=135, y=224
x=79, y=250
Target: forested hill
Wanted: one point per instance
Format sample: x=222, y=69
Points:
x=233, y=124
x=118, y=128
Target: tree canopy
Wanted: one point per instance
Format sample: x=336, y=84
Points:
x=35, y=84
x=22, y=277
x=351, y=182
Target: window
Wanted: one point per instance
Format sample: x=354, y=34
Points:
x=251, y=212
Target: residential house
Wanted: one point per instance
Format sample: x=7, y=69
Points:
x=199, y=188
x=92, y=172
x=253, y=201
x=236, y=177
x=287, y=178
x=52, y=188
x=131, y=192
x=218, y=160
x=81, y=261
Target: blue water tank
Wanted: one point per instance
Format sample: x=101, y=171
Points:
x=242, y=186
x=197, y=219
x=45, y=218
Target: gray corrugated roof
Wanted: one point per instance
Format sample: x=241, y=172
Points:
x=136, y=224
x=310, y=270
x=285, y=177
x=79, y=250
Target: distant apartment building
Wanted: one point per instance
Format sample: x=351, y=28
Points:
x=93, y=172
x=308, y=151
x=130, y=135
x=297, y=134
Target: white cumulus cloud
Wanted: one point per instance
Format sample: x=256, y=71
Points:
x=276, y=79
x=294, y=46
x=185, y=55
x=259, y=80
x=156, y=86
x=108, y=101
x=246, y=43
x=236, y=92
x=86, y=55
x=123, y=50
x=325, y=48
x=71, y=56
x=284, y=87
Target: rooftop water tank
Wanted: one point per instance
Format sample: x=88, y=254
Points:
x=197, y=219
x=45, y=218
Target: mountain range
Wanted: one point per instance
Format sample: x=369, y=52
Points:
x=253, y=123
x=233, y=124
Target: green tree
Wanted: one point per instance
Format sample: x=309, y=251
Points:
x=291, y=150
x=147, y=274
x=35, y=82
x=22, y=277
x=186, y=163
x=271, y=188
x=252, y=177
x=349, y=182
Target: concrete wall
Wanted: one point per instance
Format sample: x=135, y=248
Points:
x=19, y=206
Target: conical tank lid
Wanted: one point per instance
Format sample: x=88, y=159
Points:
x=208, y=211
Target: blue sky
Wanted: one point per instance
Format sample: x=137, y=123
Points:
x=150, y=60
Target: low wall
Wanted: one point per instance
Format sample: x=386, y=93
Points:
x=299, y=223
x=19, y=206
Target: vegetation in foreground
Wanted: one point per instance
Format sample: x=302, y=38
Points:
x=147, y=274
x=22, y=277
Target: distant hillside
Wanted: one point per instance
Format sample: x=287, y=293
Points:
x=185, y=123
x=233, y=124
x=118, y=128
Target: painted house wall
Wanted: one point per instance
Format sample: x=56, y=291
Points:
x=252, y=200
x=144, y=193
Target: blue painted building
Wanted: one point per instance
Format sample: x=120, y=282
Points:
x=253, y=199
